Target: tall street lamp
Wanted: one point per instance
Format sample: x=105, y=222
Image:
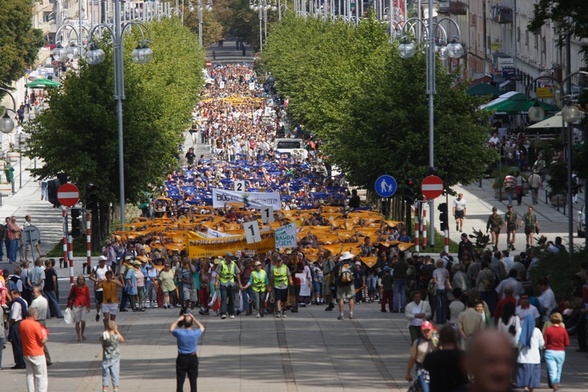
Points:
x=454, y=49
x=7, y=125
x=262, y=6
x=141, y=55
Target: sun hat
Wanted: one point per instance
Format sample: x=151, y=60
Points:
x=346, y=256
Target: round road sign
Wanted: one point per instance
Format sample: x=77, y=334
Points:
x=68, y=195
x=385, y=185
x=208, y=63
x=432, y=187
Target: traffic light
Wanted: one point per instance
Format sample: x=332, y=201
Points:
x=91, y=197
x=52, y=186
x=443, y=216
x=409, y=191
x=76, y=225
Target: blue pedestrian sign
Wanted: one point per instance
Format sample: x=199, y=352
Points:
x=386, y=186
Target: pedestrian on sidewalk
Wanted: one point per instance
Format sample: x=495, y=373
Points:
x=110, y=341
x=512, y=224
x=535, y=182
x=440, y=364
x=187, y=341
x=345, y=288
x=556, y=340
x=13, y=235
x=531, y=225
x=494, y=224
x=36, y=244
x=519, y=181
x=459, y=211
x=109, y=297
x=539, y=167
x=18, y=311
x=509, y=186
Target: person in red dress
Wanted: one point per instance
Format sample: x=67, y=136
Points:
x=79, y=301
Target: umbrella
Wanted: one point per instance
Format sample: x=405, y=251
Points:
x=483, y=89
x=551, y=122
x=502, y=98
x=43, y=83
x=518, y=104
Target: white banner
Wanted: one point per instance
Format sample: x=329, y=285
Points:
x=251, y=199
x=217, y=234
x=286, y=236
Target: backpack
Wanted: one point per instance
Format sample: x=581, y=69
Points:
x=13, y=283
x=345, y=274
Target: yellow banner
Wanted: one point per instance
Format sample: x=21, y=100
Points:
x=199, y=247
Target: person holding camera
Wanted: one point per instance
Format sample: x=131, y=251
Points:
x=187, y=341
x=109, y=288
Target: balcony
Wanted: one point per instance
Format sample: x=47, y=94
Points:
x=452, y=7
x=502, y=14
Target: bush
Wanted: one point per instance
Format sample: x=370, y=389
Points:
x=558, y=269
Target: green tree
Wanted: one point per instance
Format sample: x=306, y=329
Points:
x=77, y=134
x=348, y=84
x=19, y=42
x=568, y=15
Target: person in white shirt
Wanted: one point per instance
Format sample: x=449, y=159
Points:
x=547, y=299
x=525, y=308
x=530, y=340
x=98, y=275
x=416, y=312
x=459, y=211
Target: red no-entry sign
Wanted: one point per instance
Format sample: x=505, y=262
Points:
x=432, y=187
x=68, y=195
x=208, y=63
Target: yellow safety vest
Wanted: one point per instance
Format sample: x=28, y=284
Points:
x=227, y=274
x=280, y=275
x=259, y=279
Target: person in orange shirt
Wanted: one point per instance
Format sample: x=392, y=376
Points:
x=33, y=337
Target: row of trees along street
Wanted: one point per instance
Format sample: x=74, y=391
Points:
x=77, y=134
x=348, y=84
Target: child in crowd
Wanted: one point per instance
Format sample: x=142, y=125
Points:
x=110, y=341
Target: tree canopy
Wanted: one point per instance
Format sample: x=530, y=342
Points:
x=348, y=84
x=19, y=42
x=77, y=134
x=569, y=15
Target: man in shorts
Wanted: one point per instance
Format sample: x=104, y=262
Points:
x=459, y=211
x=345, y=287
x=531, y=225
x=512, y=223
x=188, y=286
x=110, y=297
x=281, y=278
x=98, y=275
x=494, y=224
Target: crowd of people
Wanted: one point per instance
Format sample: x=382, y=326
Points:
x=480, y=302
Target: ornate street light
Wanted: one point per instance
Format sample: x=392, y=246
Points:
x=428, y=31
x=140, y=55
x=6, y=122
x=536, y=112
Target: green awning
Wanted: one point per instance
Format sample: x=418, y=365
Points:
x=483, y=89
x=43, y=83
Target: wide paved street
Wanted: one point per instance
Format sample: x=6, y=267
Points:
x=309, y=351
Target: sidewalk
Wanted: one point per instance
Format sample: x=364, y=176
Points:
x=309, y=351
x=27, y=201
x=480, y=201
